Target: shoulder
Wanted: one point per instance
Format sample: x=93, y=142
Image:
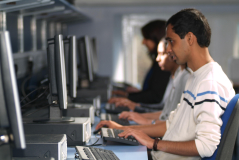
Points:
x=215, y=76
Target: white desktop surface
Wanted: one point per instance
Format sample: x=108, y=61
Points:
x=122, y=151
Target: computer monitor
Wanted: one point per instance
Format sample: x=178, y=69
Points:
x=94, y=55
x=85, y=56
x=10, y=112
x=57, y=97
x=71, y=65
x=57, y=73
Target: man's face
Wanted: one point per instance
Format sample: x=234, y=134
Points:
x=149, y=44
x=165, y=61
x=176, y=47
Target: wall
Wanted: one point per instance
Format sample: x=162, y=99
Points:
x=105, y=25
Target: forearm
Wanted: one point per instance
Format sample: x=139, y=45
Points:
x=187, y=148
x=158, y=122
x=152, y=130
x=153, y=115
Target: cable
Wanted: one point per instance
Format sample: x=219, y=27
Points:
x=29, y=72
x=42, y=87
x=23, y=86
x=38, y=104
x=39, y=96
x=94, y=144
x=37, y=110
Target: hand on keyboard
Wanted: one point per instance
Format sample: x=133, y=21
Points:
x=140, y=136
x=112, y=135
x=109, y=124
x=124, y=102
x=136, y=117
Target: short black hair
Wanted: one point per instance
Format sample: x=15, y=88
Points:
x=155, y=31
x=191, y=20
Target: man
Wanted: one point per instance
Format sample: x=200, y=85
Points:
x=193, y=128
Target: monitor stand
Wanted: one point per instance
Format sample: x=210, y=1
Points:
x=55, y=116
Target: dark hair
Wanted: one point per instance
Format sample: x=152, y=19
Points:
x=191, y=20
x=155, y=31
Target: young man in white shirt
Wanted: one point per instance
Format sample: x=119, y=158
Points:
x=193, y=128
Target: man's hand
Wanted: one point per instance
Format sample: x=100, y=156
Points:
x=131, y=89
x=109, y=124
x=124, y=102
x=120, y=93
x=114, y=99
x=133, y=116
x=143, y=138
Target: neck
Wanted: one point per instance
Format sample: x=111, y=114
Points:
x=183, y=66
x=199, y=57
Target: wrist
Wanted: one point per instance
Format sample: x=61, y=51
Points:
x=151, y=144
x=121, y=127
x=155, y=145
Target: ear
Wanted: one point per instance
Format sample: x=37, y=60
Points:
x=190, y=38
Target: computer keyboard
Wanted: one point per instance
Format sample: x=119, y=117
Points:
x=115, y=118
x=109, y=134
x=92, y=153
x=111, y=108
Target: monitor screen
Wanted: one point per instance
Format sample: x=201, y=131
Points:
x=10, y=112
x=85, y=56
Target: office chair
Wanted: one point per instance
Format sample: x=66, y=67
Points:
x=229, y=131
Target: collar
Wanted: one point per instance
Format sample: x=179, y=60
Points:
x=202, y=69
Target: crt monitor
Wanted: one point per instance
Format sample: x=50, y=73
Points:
x=71, y=65
x=85, y=56
x=10, y=112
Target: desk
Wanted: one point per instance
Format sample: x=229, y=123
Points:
x=122, y=151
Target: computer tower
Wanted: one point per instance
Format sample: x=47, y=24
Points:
x=78, y=132
x=45, y=146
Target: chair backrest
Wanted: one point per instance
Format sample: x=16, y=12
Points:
x=229, y=131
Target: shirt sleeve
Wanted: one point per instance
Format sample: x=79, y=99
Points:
x=209, y=105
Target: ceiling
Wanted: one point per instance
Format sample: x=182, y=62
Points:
x=150, y=2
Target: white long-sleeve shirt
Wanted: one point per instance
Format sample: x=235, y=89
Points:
x=197, y=117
